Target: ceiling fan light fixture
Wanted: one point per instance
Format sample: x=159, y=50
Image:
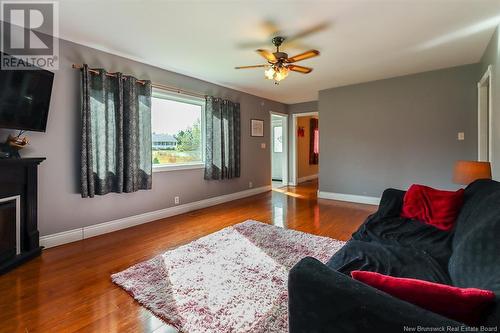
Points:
x=279, y=64
x=281, y=74
x=276, y=73
x=269, y=73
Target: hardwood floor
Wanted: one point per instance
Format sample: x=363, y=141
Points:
x=68, y=288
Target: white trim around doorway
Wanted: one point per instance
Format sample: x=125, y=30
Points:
x=484, y=87
x=284, y=172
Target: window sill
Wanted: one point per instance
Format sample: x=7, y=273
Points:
x=176, y=167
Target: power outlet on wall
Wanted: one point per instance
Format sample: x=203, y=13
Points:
x=176, y=200
x=250, y=184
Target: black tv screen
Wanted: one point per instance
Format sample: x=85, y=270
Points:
x=25, y=99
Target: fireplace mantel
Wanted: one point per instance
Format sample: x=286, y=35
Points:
x=19, y=177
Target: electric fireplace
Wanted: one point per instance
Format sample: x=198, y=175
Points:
x=19, y=236
x=10, y=227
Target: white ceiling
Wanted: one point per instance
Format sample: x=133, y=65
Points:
x=365, y=40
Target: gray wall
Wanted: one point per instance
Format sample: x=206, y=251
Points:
x=492, y=57
x=311, y=106
x=60, y=206
x=398, y=131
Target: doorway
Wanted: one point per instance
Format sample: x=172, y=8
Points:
x=484, y=121
x=305, y=147
x=279, y=149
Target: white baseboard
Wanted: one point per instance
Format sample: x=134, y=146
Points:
x=307, y=178
x=127, y=222
x=349, y=197
x=61, y=238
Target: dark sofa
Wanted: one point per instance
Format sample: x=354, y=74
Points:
x=324, y=298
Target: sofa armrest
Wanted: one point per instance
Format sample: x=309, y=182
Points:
x=324, y=300
x=391, y=203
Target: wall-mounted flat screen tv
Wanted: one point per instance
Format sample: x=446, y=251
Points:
x=25, y=99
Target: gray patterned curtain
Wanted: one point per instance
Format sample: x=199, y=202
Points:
x=116, y=134
x=222, y=139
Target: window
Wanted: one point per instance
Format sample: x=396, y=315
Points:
x=278, y=139
x=177, y=126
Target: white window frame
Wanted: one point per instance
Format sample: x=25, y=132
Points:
x=164, y=94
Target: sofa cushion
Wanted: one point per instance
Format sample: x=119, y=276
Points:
x=410, y=234
x=474, y=195
x=475, y=261
x=397, y=246
x=388, y=259
x=466, y=305
x=324, y=300
x=436, y=207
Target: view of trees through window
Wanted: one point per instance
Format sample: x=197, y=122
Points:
x=177, y=134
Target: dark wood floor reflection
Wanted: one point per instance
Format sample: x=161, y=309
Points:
x=68, y=288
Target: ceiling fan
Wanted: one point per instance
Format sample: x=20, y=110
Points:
x=279, y=64
x=293, y=40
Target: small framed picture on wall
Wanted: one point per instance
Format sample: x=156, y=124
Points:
x=256, y=127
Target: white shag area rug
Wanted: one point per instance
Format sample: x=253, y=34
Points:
x=234, y=280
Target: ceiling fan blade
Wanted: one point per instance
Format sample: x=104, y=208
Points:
x=300, y=69
x=306, y=32
x=303, y=56
x=267, y=55
x=268, y=29
x=297, y=45
x=253, y=66
x=271, y=28
x=255, y=44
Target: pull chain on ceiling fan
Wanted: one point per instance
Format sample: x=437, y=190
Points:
x=279, y=64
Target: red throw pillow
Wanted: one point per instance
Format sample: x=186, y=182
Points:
x=436, y=207
x=462, y=304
